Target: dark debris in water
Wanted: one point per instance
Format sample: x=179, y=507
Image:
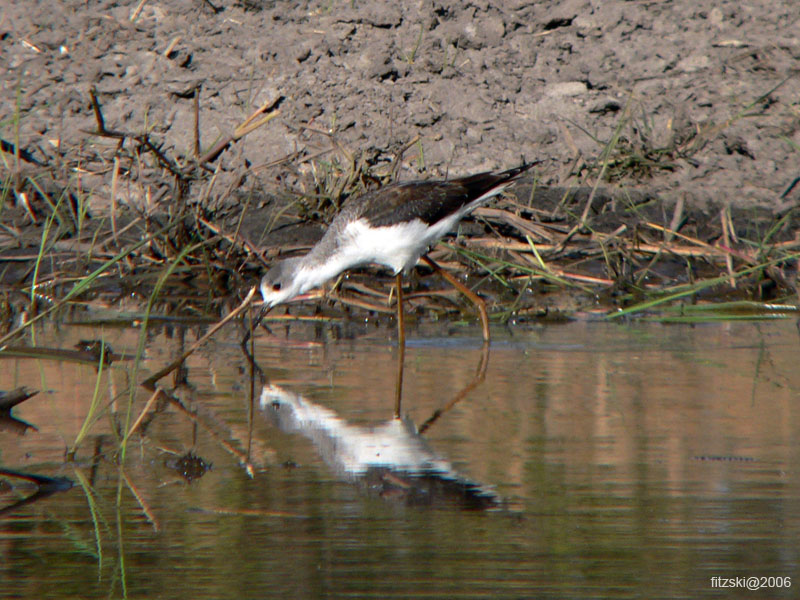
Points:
x=189, y=466
x=98, y=349
x=723, y=458
x=44, y=486
x=8, y=400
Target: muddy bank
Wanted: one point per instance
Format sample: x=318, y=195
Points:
x=706, y=97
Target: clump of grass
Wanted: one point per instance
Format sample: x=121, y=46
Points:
x=736, y=310
x=332, y=180
x=411, y=55
x=632, y=154
x=48, y=210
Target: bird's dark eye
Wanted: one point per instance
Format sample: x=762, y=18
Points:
x=276, y=287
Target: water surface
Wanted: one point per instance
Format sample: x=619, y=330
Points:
x=595, y=460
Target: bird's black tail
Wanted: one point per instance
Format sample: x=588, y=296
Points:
x=482, y=183
x=432, y=201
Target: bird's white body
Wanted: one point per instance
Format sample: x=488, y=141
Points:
x=396, y=246
x=352, y=449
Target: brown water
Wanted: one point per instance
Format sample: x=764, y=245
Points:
x=596, y=460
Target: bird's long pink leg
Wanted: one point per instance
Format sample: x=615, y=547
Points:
x=476, y=300
x=401, y=326
x=401, y=345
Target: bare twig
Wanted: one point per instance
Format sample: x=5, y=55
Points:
x=197, y=121
x=149, y=383
x=137, y=10
x=10, y=148
x=249, y=124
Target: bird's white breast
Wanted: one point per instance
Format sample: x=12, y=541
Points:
x=396, y=246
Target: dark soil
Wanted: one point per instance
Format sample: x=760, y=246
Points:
x=482, y=83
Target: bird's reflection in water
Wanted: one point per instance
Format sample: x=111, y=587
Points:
x=390, y=460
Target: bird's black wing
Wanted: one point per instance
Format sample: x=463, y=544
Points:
x=428, y=201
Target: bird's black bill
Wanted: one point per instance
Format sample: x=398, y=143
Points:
x=255, y=323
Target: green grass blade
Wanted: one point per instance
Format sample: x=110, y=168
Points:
x=91, y=415
x=90, y=499
x=143, y=339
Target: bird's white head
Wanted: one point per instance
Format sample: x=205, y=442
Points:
x=281, y=282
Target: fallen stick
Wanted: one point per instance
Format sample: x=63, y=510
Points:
x=150, y=382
